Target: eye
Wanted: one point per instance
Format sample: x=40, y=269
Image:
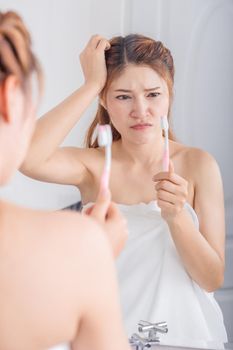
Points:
x=154, y=94
x=123, y=97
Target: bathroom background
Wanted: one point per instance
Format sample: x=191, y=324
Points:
x=199, y=34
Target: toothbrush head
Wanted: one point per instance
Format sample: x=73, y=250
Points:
x=164, y=123
x=104, y=135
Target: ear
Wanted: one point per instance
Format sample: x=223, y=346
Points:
x=10, y=98
x=102, y=102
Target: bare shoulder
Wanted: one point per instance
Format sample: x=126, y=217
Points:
x=195, y=162
x=47, y=227
x=60, y=246
x=203, y=166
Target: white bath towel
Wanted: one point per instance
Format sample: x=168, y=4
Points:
x=155, y=287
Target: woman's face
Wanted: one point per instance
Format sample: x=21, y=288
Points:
x=135, y=101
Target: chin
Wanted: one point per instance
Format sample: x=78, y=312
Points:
x=142, y=139
x=140, y=142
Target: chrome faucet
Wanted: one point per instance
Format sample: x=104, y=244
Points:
x=140, y=341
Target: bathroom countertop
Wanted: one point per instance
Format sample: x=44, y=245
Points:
x=169, y=347
x=164, y=347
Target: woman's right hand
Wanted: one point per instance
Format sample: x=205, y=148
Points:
x=93, y=63
x=110, y=218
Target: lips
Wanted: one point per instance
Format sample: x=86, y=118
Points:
x=141, y=126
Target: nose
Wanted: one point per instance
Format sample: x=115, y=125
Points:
x=139, y=108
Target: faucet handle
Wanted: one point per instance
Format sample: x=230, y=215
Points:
x=137, y=341
x=141, y=341
x=152, y=329
x=145, y=326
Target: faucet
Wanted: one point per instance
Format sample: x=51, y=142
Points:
x=140, y=341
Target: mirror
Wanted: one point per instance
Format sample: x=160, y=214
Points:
x=202, y=48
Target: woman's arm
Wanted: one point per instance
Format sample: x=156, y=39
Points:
x=202, y=251
x=45, y=161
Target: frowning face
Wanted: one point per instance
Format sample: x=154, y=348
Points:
x=135, y=101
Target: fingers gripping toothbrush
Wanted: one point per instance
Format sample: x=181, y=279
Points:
x=165, y=127
x=105, y=140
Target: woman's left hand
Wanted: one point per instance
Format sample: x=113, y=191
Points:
x=93, y=63
x=172, y=193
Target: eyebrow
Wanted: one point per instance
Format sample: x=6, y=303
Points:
x=125, y=90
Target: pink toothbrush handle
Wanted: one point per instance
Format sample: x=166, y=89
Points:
x=104, y=180
x=166, y=160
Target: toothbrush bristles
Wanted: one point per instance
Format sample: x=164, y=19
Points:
x=164, y=123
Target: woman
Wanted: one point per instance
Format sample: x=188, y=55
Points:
x=48, y=273
x=174, y=257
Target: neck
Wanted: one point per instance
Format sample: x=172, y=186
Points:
x=143, y=154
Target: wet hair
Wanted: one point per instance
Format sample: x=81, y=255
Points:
x=16, y=55
x=138, y=50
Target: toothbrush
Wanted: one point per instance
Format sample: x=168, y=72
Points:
x=105, y=140
x=165, y=127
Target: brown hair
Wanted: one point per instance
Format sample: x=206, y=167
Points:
x=135, y=49
x=16, y=56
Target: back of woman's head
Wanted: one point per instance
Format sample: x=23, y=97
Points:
x=16, y=56
x=17, y=104
x=139, y=50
